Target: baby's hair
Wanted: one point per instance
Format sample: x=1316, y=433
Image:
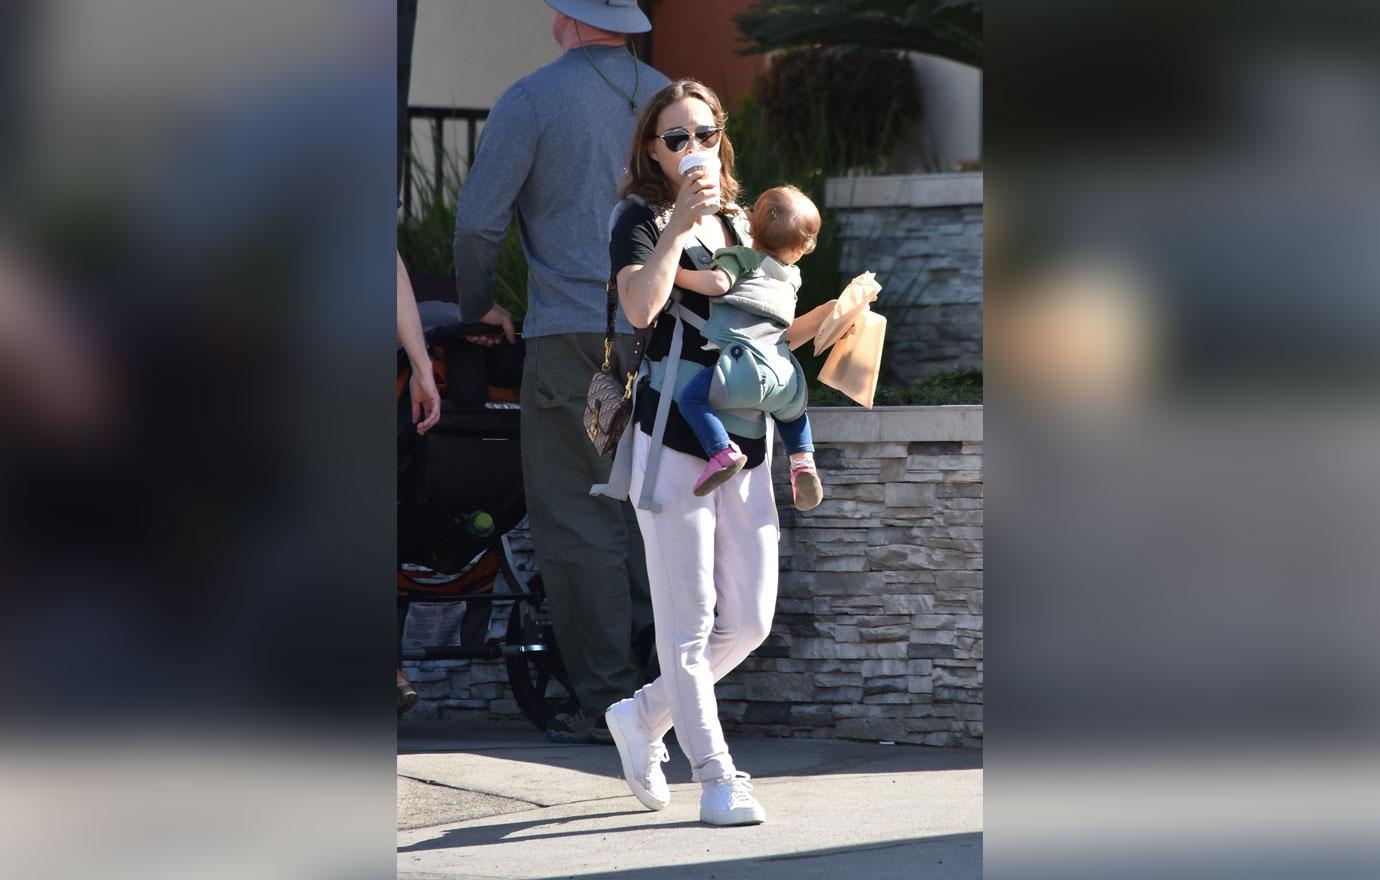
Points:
x=783, y=220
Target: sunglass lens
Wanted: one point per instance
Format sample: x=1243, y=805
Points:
x=676, y=142
x=707, y=137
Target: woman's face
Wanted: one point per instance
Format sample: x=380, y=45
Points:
x=690, y=114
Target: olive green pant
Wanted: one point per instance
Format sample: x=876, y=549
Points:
x=588, y=548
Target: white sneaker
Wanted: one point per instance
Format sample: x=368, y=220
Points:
x=729, y=801
x=642, y=756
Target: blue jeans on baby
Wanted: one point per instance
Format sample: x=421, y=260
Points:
x=709, y=430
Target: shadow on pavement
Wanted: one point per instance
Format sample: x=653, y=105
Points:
x=941, y=856
x=761, y=756
x=501, y=833
x=947, y=855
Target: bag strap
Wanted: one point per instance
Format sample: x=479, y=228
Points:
x=641, y=338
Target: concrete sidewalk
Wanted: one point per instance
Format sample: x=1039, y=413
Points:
x=479, y=798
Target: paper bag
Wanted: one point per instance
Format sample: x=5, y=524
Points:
x=856, y=360
x=847, y=308
x=856, y=334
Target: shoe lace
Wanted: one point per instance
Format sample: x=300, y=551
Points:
x=739, y=789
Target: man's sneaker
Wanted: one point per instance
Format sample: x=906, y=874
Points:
x=729, y=801
x=806, y=490
x=642, y=756
x=721, y=468
x=575, y=727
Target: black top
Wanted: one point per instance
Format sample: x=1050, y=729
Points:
x=634, y=238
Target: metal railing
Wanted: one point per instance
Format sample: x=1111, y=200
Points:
x=438, y=117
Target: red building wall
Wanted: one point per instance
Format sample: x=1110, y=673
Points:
x=697, y=38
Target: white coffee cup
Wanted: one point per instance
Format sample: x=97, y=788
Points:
x=703, y=159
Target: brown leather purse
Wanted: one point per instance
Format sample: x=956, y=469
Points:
x=608, y=406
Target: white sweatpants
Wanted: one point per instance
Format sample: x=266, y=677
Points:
x=704, y=555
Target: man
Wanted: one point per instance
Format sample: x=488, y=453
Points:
x=553, y=149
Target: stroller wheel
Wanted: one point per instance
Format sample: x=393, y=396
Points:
x=538, y=679
x=407, y=698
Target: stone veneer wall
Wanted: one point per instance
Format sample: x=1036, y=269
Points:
x=922, y=236
x=878, y=630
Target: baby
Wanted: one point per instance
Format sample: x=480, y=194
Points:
x=754, y=294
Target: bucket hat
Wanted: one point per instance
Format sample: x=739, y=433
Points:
x=619, y=16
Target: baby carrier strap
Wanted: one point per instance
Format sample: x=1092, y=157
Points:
x=684, y=314
x=620, y=474
x=645, y=500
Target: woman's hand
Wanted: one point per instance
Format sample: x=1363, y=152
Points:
x=644, y=289
x=426, y=400
x=698, y=197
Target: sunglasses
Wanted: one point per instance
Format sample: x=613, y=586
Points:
x=678, y=138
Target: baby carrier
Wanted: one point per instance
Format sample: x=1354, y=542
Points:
x=745, y=380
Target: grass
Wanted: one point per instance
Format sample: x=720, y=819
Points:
x=943, y=388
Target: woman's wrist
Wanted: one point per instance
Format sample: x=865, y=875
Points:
x=680, y=225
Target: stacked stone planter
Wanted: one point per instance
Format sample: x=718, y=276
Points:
x=922, y=235
x=878, y=631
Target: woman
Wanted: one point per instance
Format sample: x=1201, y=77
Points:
x=711, y=560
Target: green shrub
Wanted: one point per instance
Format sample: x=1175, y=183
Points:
x=426, y=239
x=947, y=28
x=943, y=388
x=843, y=108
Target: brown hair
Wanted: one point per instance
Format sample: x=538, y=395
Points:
x=645, y=178
x=784, y=219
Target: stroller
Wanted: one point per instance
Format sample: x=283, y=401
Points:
x=460, y=492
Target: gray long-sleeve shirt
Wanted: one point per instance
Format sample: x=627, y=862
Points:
x=553, y=148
